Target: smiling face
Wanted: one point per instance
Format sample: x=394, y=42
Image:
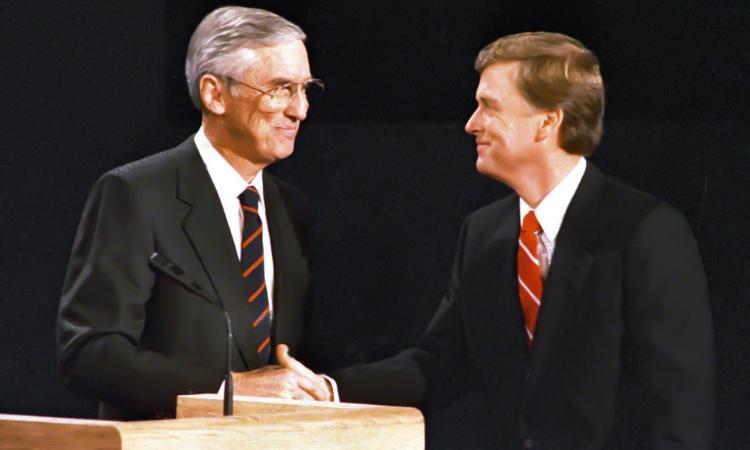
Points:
x=505, y=125
x=263, y=130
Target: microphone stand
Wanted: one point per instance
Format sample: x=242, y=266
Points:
x=169, y=268
x=228, y=382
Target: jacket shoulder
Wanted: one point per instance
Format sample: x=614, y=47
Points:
x=626, y=210
x=154, y=166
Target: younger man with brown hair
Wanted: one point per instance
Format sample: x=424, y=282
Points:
x=567, y=294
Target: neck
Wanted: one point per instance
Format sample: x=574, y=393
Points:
x=231, y=149
x=540, y=179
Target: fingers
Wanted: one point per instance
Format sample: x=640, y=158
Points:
x=275, y=381
x=289, y=385
x=299, y=394
x=311, y=382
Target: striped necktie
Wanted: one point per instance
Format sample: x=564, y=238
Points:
x=529, y=274
x=253, y=275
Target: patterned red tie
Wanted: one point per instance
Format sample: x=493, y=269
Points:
x=253, y=274
x=529, y=274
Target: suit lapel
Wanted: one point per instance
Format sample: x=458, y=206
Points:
x=562, y=300
x=503, y=247
x=495, y=288
x=290, y=268
x=206, y=228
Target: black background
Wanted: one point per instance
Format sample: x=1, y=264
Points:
x=88, y=86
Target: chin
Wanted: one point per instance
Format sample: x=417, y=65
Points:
x=283, y=151
x=490, y=171
x=481, y=166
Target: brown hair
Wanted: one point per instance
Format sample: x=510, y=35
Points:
x=556, y=71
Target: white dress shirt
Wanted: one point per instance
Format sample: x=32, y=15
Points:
x=551, y=211
x=229, y=185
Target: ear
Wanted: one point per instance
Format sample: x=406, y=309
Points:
x=550, y=125
x=214, y=93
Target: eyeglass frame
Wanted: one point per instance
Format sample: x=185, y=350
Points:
x=316, y=81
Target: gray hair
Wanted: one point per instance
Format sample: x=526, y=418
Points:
x=217, y=44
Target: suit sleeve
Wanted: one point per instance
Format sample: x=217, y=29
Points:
x=102, y=311
x=431, y=374
x=669, y=316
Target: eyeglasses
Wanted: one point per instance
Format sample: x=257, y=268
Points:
x=280, y=96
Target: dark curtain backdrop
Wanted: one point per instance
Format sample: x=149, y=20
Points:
x=383, y=159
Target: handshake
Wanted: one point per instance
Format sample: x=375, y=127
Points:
x=289, y=379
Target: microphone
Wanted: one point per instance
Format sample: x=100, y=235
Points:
x=172, y=270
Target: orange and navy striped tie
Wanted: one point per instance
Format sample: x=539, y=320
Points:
x=529, y=274
x=253, y=275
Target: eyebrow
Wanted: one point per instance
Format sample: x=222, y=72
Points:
x=488, y=101
x=282, y=81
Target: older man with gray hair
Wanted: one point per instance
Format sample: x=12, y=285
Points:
x=168, y=244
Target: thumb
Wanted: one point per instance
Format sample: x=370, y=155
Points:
x=282, y=355
x=322, y=391
x=288, y=362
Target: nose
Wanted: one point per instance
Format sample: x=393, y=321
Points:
x=472, y=125
x=297, y=107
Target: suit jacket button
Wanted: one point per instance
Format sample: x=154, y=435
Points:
x=529, y=443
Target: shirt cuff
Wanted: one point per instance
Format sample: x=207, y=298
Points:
x=334, y=388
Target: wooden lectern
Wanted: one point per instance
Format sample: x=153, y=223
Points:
x=258, y=423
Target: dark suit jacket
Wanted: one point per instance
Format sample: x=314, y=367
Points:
x=623, y=339
x=135, y=337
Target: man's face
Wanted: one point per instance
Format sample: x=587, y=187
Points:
x=266, y=129
x=505, y=124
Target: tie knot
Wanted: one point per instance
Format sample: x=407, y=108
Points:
x=250, y=197
x=530, y=223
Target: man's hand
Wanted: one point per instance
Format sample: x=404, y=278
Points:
x=290, y=380
x=286, y=361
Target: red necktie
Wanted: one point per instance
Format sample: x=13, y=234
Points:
x=253, y=274
x=529, y=273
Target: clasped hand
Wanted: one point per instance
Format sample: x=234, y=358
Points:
x=290, y=379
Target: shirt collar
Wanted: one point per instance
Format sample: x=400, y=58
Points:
x=551, y=209
x=228, y=182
